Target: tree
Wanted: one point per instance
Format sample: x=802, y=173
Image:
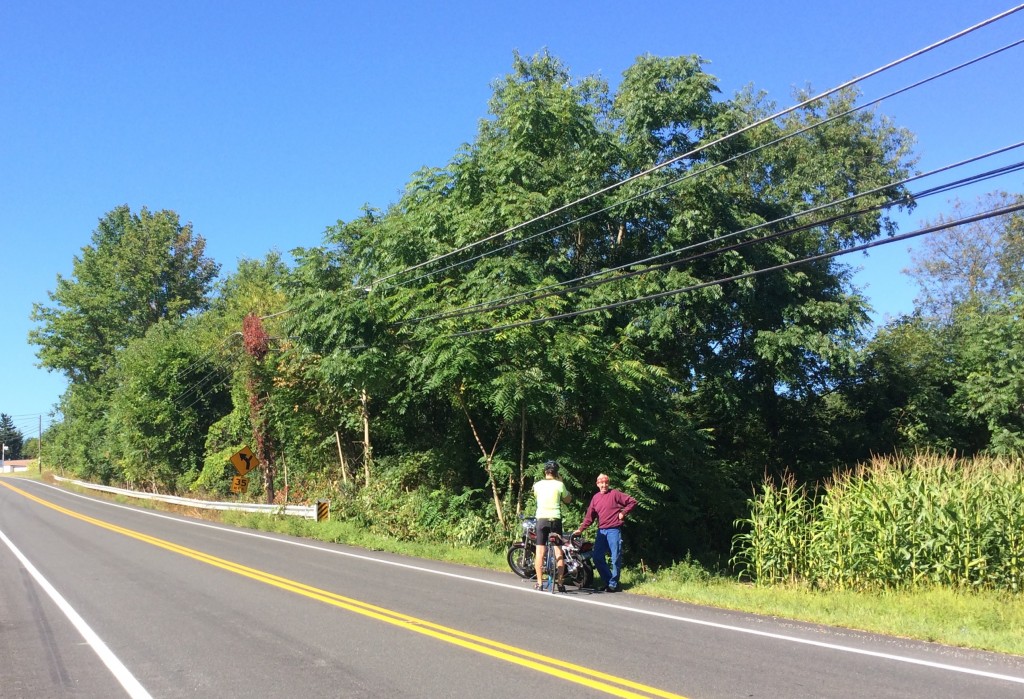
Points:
x=992, y=389
x=947, y=377
x=168, y=389
x=685, y=398
x=139, y=269
x=981, y=263
x=11, y=436
x=903, y=396
x=252, y=292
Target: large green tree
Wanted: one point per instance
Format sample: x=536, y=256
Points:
x=437, y=306
x=140, y=268
x=169, y=387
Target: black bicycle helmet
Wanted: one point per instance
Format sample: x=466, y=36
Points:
x=551, y=467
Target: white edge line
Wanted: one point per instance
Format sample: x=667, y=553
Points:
x=116, y=667
x=662, y=615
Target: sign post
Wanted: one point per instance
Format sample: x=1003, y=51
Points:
x=323, y=510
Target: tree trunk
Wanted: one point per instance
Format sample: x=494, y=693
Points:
x=488, y=459
x=522, y=460
x=367, y=448
x=341, y=458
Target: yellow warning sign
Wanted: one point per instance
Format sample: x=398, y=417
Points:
x=244, y=461
x=239, y=484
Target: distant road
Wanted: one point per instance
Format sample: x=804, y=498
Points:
x=102, y=599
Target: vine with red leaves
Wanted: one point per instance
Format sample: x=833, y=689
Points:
x=257, y=345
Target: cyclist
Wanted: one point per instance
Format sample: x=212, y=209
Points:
x=550, y=494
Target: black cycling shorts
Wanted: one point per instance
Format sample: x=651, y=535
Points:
x=546, y=527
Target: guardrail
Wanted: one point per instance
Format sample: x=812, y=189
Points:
x=308, y=511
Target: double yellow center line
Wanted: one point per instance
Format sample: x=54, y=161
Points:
x=594, y=679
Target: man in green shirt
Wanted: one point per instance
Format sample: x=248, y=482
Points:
x=550, y=494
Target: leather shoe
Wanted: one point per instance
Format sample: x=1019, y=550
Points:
x=606, y=588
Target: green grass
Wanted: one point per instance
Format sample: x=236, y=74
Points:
x=980, y=620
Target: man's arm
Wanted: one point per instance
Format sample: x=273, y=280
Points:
x=627, y=503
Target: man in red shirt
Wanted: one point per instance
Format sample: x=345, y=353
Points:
x=609, y=508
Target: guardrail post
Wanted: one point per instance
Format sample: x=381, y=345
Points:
x=323, y=510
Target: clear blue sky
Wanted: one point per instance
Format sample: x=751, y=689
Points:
x=263, y=123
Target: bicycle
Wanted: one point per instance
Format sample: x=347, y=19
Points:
x=550, y=571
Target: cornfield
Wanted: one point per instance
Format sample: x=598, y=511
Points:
x=891, y=524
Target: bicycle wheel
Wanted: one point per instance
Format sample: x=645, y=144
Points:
x=520, y=560
x=551, y=568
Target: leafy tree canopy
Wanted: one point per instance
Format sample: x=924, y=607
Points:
x=140, y=268
x=981, y=263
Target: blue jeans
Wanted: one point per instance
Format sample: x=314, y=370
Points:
x=608, y=542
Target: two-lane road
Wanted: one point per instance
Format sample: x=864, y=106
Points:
x=100, y=599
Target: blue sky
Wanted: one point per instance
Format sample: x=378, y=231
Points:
x=263, y=123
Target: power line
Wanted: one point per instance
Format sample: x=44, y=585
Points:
x=746, y=275
x=709, y=167
x=215, y=387
x=530, y=296
x=695, y=151
x=197, y=385
x=206, y=355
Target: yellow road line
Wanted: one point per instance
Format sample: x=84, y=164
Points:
x=579, y=674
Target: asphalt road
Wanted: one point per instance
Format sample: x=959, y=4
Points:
x=99, y=599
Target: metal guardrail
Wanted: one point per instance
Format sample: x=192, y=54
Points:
x=307, y=511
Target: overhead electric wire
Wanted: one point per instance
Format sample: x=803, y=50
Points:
x=532, y=294
x=753, y=273
x=708, y=167
x=197, y=385
x=181, y=372
x=691, y=153
x=214, y=387
x=28, y=424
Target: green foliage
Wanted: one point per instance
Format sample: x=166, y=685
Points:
x=166, y=396
x=424, y=386
x=31, y=448
x=671, y=398
x=993, y=364
x=11, y=437
x=903, y=400
x=400, y=506
x=140, y=269
x=974, y=265
x=929, y=521
x=948, y=378
x=77, y=444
